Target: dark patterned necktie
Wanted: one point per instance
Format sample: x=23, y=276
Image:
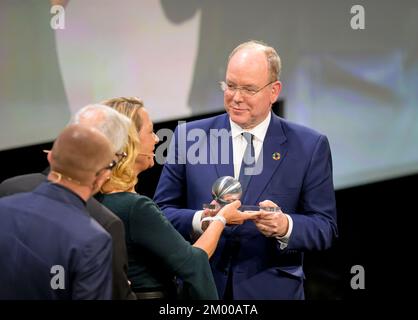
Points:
x=248, y=162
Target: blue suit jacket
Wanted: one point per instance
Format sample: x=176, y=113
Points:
x=300, y=182
x=47, y=227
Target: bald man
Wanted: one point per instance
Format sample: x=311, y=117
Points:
x=50, y=248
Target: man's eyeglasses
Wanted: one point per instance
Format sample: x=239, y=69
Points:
x=110, y=166
x=113, y=164
x=121, y=155
x=245, y=91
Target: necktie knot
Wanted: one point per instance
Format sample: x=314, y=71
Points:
x=248, y=137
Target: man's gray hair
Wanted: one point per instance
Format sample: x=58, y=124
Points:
x=114, y=125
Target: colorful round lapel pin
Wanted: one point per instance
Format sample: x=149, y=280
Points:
x=276, y=156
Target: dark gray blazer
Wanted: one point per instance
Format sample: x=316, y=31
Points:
x=106, y=218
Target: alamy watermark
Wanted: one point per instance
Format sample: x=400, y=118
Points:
x=58, y=280
x=358, y=20
x=58, y=19
x=358, y=280
x=198, y=146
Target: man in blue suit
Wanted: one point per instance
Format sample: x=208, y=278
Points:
x=50, y=248
x=291, y=168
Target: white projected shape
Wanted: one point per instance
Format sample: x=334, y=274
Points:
x=128, y=48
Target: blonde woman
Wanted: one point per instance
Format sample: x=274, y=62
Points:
x=157, y=253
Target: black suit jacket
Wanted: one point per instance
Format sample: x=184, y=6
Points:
x=107, y=219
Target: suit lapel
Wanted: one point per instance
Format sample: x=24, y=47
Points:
x=274, y=152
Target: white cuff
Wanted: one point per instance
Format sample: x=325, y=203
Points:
x=196, y=223
x=285, y=239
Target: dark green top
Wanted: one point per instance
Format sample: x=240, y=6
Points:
x=156, y=251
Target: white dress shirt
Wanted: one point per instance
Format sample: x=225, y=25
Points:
x=239, y=144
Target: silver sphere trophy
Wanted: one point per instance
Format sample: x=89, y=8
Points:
x=228, y=189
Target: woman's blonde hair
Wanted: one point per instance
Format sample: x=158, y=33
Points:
x=123, y=176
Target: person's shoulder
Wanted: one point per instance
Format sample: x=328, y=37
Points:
x=63, y=209
x=24, y=199
x=130, y=200
x=26, y=177
x=104, y=216
x=209, y=122
x=302, y=138
x=70, y=222
x=14, y=201
x=294, y=128
x=300, y=135
x=85, y=233
x=143, y=201
x=22, y=183
x=144, y=207
x=132, y=197
x=80, y=226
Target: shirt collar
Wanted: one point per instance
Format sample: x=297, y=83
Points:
x=71, y=191
x=258, y=131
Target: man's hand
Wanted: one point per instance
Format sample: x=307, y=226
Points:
x=272, y=224
x=209, y=213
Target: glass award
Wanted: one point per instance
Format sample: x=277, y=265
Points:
x=228, y=189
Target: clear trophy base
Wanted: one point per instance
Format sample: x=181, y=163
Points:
x=243, y=208
x=227, y=189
